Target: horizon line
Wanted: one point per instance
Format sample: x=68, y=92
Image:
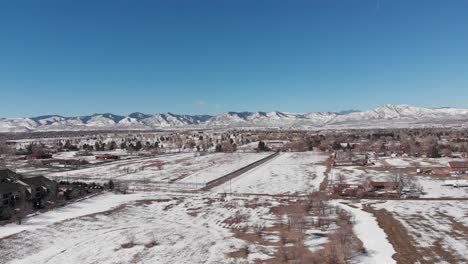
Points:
x=220, y=113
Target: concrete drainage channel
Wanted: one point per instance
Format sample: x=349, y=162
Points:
x=211, y=184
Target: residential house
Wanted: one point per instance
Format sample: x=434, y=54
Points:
x=107, y=157
x=382, y=186
x=351, y=159
x=41, y=189
x=38, y=156
x=343, y=189
x=458, y=167
x=383, y=189
x=7, y=175
x=10, y=193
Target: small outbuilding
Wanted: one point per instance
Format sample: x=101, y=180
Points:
x=458, y=167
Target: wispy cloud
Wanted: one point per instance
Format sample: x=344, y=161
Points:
x=378, y=4
x=200, y=103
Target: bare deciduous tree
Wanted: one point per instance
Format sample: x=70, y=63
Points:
x=159, y=164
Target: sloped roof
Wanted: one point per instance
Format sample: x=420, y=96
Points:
x=9, y=187
x=37, y=181
x=458, y=164
x=7, y=173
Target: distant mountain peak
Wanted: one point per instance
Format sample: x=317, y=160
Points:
x=345, y=112
x=389, y=115
x=138, y=115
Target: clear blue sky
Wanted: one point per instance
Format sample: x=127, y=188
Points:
x=76, y=57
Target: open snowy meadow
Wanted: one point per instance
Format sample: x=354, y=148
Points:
x=287, y=173
x=437, y=231
x=271, y=213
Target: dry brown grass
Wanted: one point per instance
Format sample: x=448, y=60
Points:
x=151, y=244
x=128, y=245
x=291, y=248
x=402, y=242
x=242, y=253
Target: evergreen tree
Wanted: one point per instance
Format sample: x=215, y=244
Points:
x=138, y=146
x=336, y=145
x=262, y=146
x=434, y=152
x=97, y=147
x=111, y=185
x=123, y=145
x=112, y=145
x=219, y=148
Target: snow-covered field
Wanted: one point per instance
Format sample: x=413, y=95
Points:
x=419, y=162
x=439, y=228
x=146, y=228
x=287, y=173
x=173, y=226
x=174, y=167
x=357, y=174
x=123, y=154
x=134, y=169
x=434, y=188
x=88, y=206
x=152, y=231
x=226, y=163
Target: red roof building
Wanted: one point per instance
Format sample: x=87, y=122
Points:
x=107, y=157
x=459, y=167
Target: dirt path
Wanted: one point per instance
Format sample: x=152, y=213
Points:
x=398, y=236
x=324, y=183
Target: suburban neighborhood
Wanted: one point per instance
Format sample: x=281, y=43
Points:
x=328, y=172
x=233, y=132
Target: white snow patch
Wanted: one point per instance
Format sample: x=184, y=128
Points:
x=372, y=236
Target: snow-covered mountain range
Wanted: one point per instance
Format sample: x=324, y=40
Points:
x=381, y=117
